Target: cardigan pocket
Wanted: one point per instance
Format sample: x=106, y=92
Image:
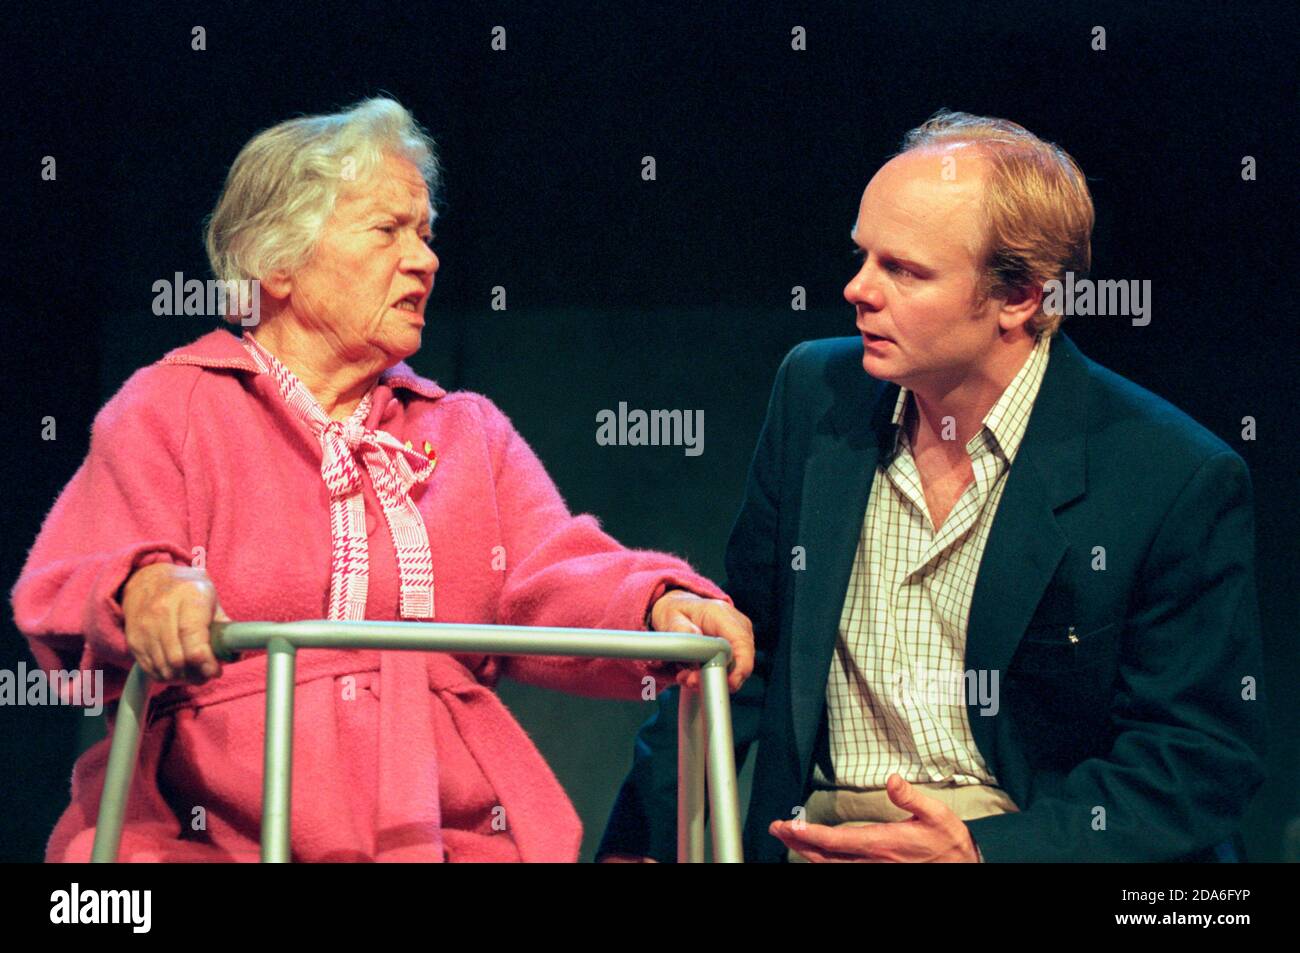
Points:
x=532, y=804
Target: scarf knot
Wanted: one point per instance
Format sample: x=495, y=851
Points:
x=394, y=469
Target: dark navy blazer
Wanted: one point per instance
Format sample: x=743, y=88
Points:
x=1139, y=740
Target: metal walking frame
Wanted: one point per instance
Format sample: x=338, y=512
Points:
x=704, y=722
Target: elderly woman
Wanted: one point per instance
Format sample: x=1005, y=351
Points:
x=304, y=471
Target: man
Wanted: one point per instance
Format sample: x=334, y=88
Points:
x=987, y=510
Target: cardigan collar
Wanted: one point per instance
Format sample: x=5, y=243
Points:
x=221, y=349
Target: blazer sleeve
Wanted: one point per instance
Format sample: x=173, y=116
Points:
x=563, y=570
x=643, y=822
x=124, y=508
x=1188, y=715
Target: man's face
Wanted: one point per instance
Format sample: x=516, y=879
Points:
x=373, y=253
x=918, y=234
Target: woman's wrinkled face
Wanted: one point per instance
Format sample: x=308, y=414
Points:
x=365, y=287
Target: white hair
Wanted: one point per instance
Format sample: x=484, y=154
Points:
x=282, y=187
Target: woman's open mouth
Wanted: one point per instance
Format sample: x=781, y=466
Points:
x=409, y=303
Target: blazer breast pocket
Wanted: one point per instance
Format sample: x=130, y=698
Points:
x=1061, y=690
x=1057, y=648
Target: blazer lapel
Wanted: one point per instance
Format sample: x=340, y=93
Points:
x=1025, y=543
x=838, y=472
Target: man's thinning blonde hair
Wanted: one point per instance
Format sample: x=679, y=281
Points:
x=284, y=183
x=1037, y=209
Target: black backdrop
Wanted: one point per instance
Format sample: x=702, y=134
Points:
x=673, y=293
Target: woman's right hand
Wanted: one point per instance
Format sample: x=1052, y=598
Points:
x=168, y=610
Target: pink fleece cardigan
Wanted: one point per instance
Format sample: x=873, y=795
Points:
x=199, y=450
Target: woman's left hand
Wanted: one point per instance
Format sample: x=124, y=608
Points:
x=680, y=611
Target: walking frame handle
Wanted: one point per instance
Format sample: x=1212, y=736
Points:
x=704, y=737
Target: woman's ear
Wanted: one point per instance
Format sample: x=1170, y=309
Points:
x=277, y=284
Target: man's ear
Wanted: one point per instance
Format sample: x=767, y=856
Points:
x=1020, y=305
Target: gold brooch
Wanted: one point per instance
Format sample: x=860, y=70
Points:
x=428, y=451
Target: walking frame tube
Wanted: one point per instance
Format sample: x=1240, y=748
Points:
x=705, y=746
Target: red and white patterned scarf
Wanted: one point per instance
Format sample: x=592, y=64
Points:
x=394, y=468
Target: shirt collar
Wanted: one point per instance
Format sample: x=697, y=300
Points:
x=223, y=350
x=1007, y=419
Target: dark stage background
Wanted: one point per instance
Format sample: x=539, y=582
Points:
x=673, y=293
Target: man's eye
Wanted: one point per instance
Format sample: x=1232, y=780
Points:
x=387, y=229
x=429, y=239
x=893, y=267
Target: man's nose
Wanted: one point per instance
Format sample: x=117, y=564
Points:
x=862, y=289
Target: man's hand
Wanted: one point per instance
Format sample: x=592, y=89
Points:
x=935, y=834
x=680, y=611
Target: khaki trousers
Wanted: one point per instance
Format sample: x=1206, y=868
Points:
x=835, y=806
